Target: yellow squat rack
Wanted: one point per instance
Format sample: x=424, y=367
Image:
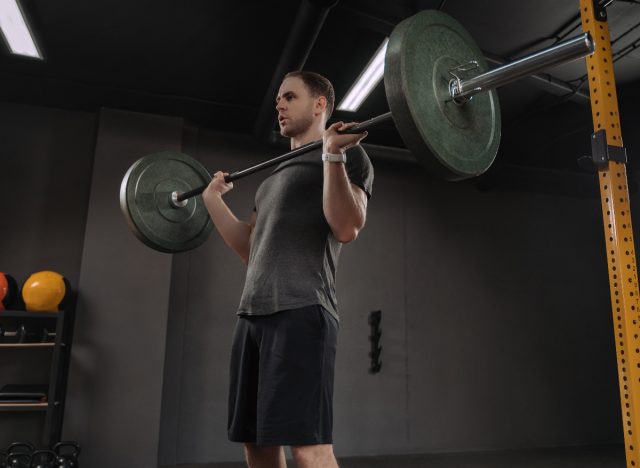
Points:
x=610, y=158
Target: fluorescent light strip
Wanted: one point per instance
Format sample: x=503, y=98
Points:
x=15, y=30
x=368, y=86
x=367, y=80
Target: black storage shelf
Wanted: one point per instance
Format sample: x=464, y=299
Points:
x=28, y=314
x=23, y=407
x=53, y=409
x=27, y=345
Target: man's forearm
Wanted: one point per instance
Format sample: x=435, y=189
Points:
x=342, y=209
x=235, y=233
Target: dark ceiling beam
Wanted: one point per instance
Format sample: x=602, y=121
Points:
x=368, y=21
x=304, y=32
x=76, y=95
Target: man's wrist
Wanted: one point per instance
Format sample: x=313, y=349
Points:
x=211, y=192
x=331, y=148
x=334, y=157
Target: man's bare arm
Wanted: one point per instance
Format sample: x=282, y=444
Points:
x=344, y=204
x=235, y=233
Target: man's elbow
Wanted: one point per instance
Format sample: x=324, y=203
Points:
x=347, y=235
x=243, y=252
x=347, y=231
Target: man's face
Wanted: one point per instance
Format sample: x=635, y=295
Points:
x=295, y=107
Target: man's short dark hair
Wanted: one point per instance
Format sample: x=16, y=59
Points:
x=318, y=86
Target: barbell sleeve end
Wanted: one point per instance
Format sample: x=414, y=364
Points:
x=561, y=53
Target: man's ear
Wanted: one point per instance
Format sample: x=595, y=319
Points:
x=321, y=104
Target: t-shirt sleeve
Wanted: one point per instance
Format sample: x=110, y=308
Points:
x=360, y=169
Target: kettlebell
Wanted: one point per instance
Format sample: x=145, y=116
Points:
x=19, y=460
x=44, y=459
x=67, y=453
x=19, y=455
x=20, y=447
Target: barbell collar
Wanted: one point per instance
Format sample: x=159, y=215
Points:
x=462, y=89
x=175, y=202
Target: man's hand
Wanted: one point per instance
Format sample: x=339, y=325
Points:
x=236, y=233
x=335, y=143
x=218, y=185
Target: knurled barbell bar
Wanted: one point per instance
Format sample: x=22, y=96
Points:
x=448, y=120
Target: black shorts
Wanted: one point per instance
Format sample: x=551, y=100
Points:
x=281, y=386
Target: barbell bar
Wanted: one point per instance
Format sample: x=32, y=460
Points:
x=461, y=91
x=448, y=120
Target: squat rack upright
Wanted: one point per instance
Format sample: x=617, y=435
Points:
x=609, y=157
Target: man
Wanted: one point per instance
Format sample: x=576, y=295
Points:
x=283, y=354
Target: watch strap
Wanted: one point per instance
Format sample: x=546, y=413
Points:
x=331, y=157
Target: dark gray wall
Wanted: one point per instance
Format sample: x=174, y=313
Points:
x=47, y=156
x=115, y=385
x=510, y=338
x=496, y=319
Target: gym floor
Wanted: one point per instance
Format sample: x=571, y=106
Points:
x=606, y=456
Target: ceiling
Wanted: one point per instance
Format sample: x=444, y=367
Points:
x=212, y=62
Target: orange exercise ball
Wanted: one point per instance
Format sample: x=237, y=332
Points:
x=45, y=291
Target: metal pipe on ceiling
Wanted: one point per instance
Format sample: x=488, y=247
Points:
x=304, y=32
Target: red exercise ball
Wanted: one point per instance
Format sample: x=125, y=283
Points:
x=8, y=291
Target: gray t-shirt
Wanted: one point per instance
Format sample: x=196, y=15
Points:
x=294, y=254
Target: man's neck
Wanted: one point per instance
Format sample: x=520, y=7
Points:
x=313, y=133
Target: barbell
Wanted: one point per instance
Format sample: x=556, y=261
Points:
x=442, y=100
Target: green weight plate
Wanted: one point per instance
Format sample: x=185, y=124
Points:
x=452, y=141
x=145, y=200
